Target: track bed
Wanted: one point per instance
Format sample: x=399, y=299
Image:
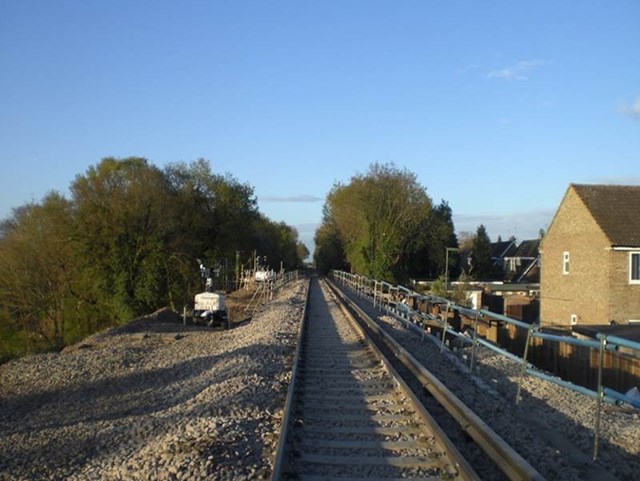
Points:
x=350, y=417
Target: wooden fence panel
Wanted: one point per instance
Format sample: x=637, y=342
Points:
x=577, y=364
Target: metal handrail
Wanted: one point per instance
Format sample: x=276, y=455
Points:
x=605, y=343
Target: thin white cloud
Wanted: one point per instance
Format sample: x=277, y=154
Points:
x=523, y=225
x=302, y=198
x=519, y=71
x=632, y=110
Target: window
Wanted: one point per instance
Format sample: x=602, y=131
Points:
x=574, y=319
x=634, y=267
x=565, y=263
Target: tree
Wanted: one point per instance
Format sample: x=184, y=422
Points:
x=124, y=218
x=215, y=217
x=329, y=253
x=482, y=266
x=40, y=272
x=427, y=252
x=278, y=242
x=302, y=253
x=376, y=217
x=125, y=244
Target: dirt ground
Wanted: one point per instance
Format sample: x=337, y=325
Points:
x=236, y=303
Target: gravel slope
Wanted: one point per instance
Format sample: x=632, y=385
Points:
x=153, y=400
x=552, y=427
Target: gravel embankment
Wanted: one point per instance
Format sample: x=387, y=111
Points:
x=153, y=400
x=551, y=427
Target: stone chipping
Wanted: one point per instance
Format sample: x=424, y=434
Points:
x=552, y=427
x=158, y=400
x=153, y=400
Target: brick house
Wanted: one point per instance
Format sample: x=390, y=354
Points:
x=590, y=257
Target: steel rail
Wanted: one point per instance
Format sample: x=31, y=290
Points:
x=463, y=465
x=513, y=465
x=288, y=453
x=279, y=458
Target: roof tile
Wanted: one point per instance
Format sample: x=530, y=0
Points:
x=616, y=209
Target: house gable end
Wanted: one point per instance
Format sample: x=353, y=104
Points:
x=615, y=208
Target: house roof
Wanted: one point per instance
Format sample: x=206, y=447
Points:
x=502, y=249
x=616, y=209
x=529, y=272
x=528, y=248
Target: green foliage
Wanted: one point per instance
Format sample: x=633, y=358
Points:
x=278, y=242
x=482, y=266
x=439, y=287
x=428, y=248
x=302, y=252
x=377, y=216
x=457, y=294
x=125, y=244
x=329, y=253
x=121, y=208
x=39, y=266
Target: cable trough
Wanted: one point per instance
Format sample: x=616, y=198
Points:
x=349, y=415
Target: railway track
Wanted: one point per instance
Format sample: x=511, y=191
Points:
x=349, y=415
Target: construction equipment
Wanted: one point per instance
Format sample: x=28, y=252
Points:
x=209, y=307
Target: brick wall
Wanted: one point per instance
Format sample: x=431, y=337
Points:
x=625, y=298
x=585, y=290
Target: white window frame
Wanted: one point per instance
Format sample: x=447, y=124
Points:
x=574, y=319
x=632, y=254
x=566, y=262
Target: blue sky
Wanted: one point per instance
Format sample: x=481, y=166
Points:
x=496, y=105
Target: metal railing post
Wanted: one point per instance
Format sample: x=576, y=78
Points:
x=523, y=367
x=375, y=292
x=596, y=436
x=475, y=336
x=444, y=330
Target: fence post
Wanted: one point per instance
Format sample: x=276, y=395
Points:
x=444, y=330
x=596, y=438
x=475, y=336
x=523, y=367
x=375, y=292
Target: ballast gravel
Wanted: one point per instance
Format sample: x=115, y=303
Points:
x=552, y=427
x=153, y=400
x=156, y=400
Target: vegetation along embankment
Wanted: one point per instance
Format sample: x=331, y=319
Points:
x=124, y=243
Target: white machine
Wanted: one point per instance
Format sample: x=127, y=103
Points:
x=209, y=306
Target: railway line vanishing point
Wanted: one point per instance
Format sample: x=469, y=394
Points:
x=349, y=415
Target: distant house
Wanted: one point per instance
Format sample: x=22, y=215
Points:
x=500, y=250
x=523, y=264
x=590, y=257
x=516, y=263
